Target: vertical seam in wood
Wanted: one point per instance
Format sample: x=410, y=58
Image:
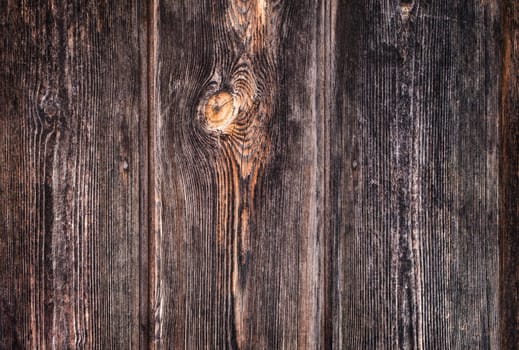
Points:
x=144, y=168
x=504, y=340
x=151, y=37
x=327, y=252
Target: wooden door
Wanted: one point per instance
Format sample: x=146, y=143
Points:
x=259, y=174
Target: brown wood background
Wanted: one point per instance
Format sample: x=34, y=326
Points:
x=259, y=174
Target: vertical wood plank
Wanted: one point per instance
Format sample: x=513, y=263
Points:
x=416, y=203
x=238, y=140
x=72, y=161
x=509, y=178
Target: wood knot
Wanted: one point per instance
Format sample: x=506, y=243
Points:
x=406, y=6
x=219, y=110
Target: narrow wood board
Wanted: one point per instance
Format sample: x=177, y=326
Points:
x=417, y=168
x=509, y=178
x=72, y=161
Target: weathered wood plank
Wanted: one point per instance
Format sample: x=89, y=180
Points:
x=72, y=156
x=238, y=183
x=509, y=178
x=416, y=169
x=321, y=174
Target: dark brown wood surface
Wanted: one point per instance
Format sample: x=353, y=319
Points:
x=239, y=233
x=71, y=154
x=418, y=112
x=509, y=178
x=259, y=174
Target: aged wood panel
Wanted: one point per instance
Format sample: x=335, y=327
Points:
x=416, y=167
x=73, y=151
x=509, y=178
x=294, y=174
x=238, y=144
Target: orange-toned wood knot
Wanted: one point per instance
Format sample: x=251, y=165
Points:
x=406, y=6
x=220, y=111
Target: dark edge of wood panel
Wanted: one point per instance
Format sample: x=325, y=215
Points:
x=146, y=216
x=332, y=167
x=509, y=178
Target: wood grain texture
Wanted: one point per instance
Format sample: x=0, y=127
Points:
x=71, y=163
x=259, y=174
x=238, y=183
x=509, y=178
x=416, y=196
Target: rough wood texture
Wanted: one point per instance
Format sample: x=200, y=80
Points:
x=238, y=144
x=259, y=174
x=509, y=178
x=71, y=152
x=383, y=129
x=416, y=207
